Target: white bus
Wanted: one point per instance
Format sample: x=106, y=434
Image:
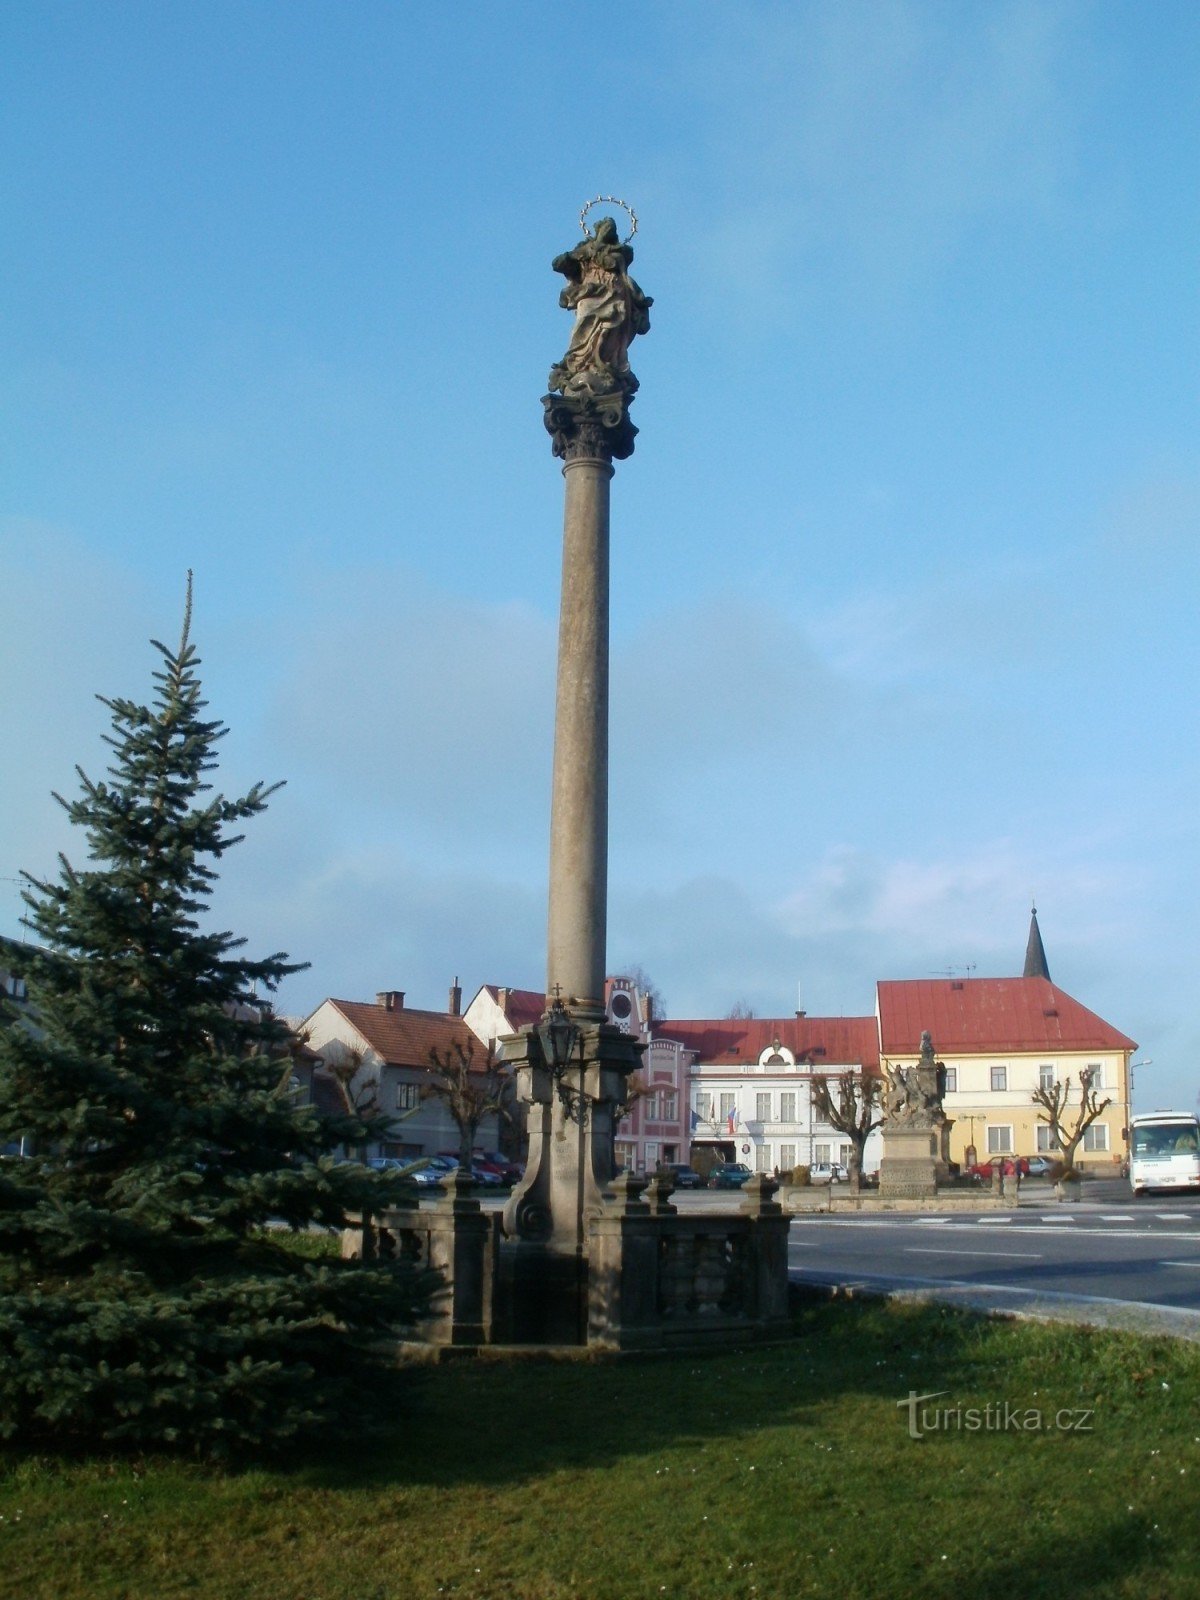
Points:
x=1164, y=1151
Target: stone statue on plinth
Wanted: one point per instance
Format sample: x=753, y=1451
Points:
x=916, y=1130
x=593, y=385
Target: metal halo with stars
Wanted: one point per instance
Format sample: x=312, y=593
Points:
x=608, y=200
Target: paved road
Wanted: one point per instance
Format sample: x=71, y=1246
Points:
x=1118, y=1264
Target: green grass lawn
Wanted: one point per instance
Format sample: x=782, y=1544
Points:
x=762, y=1474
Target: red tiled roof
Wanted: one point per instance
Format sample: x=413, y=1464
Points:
x=1003, y=1014
x=833, y=1041
x=523, y=1007
x=405, y=1037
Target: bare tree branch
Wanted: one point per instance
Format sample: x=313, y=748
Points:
x=470, y=1093
x=1054, y=1101
x=855, y=1112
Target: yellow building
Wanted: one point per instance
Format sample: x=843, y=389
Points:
x=1000, y=1039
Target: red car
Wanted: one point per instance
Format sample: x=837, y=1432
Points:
x=983, y=1170
x=510, y=1171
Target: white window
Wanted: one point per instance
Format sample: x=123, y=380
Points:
x=727, y=1100
x=625, y=1154
x=652, y=1106
x=787, y=1107
x=1096, y=1137
x=999, y=1079
x=1046, y=1142
x=408, y=1096
x=951, y=1080
x=1096, y=1069
x=762, y=1107
x=999, y=1136
x=762, y=1158
x=1045, y=1077
x=821, y=1153
x=668, y=1107
x=787, y=1157
x=704, y=1105
x=844, y=1156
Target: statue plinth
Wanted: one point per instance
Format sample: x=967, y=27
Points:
x=573, y=1112
x=912, y=1163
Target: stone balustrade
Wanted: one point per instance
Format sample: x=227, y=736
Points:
x=652, y=1278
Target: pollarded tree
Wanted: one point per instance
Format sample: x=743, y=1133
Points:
x=1068, y=1123
x=852, y=1107
x=142, y=1296
x=470, y=1093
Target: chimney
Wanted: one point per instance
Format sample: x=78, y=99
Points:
x=648, y=1001
x=390, y=999
x=800, y=1011
x=455, y=1006
x=502, y=997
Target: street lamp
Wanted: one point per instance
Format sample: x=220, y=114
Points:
x=1132, y=1065
x=973, y=1117
x=557, y=1034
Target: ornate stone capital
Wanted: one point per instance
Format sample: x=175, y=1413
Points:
x=590, y=427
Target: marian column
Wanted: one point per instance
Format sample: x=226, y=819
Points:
x=573, y=1068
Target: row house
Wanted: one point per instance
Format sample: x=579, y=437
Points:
x=741, y=1088
x=750, y=1086
x=381, y=1051
x=1002, y=1038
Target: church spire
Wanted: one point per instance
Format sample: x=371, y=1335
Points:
x=1035, y=954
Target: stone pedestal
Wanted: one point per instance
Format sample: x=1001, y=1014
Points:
x=572, y=1120
x=908, y=1169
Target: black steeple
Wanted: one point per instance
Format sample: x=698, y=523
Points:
x=1035, y=954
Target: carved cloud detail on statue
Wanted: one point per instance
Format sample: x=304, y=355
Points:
x=593, y=383
x=913, y=1097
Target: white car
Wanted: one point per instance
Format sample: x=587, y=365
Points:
x=827, y=1172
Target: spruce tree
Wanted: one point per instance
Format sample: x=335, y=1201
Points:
x=143, y=1298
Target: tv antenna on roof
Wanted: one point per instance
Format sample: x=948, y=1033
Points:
x=955, y=972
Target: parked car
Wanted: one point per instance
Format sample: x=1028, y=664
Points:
x=685, y=1177
x=730, y=1175
x=982, y=1170
x=828, y=1172
x=510, y=1171
x=1038, y=1167
x=479, y=1174
x=426, y=1175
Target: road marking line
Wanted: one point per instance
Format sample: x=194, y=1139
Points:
x=931, y=1250
x=1118, y=1219
x=1170, y=1216
x=1179, y=1263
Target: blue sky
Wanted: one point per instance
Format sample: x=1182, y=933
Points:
x=905, y=563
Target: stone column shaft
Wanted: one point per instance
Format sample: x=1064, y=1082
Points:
x=579, y=804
